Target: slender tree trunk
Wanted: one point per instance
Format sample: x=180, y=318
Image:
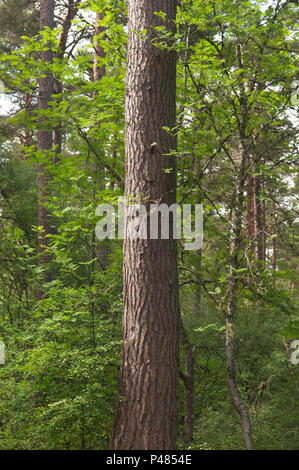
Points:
x=99, y=70
x=258, y=218
x=263, y=219
x=188, y=377
x=274, y=252
x=27, y=138
x=234, y=393
x=99, y=53
x=44, y=137
x=292, y=289
x=99, y=250
x=147, y=409
x=188, y=380
x=274, y=238
x=71, y=12
x=189, y=394
x=250, y=201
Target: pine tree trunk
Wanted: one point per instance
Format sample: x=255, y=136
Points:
x=147, y=409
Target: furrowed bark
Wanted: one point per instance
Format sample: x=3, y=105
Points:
x=147, y=409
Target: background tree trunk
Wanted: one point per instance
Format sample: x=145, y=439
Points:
x=236, y=242
x=71, y=12
x=188, y=377
x=99, y=53
x=44, y=136
x=234, y=393
x=147, y=409
x=250, y=201
x=258, y=218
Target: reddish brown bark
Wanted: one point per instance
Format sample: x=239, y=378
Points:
x=147, y=410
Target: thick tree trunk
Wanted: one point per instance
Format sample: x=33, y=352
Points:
x=147, y=408
x=44, y=136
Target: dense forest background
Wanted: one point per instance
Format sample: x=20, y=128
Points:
x=61, y=289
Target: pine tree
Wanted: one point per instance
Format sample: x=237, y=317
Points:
x=147, y=409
